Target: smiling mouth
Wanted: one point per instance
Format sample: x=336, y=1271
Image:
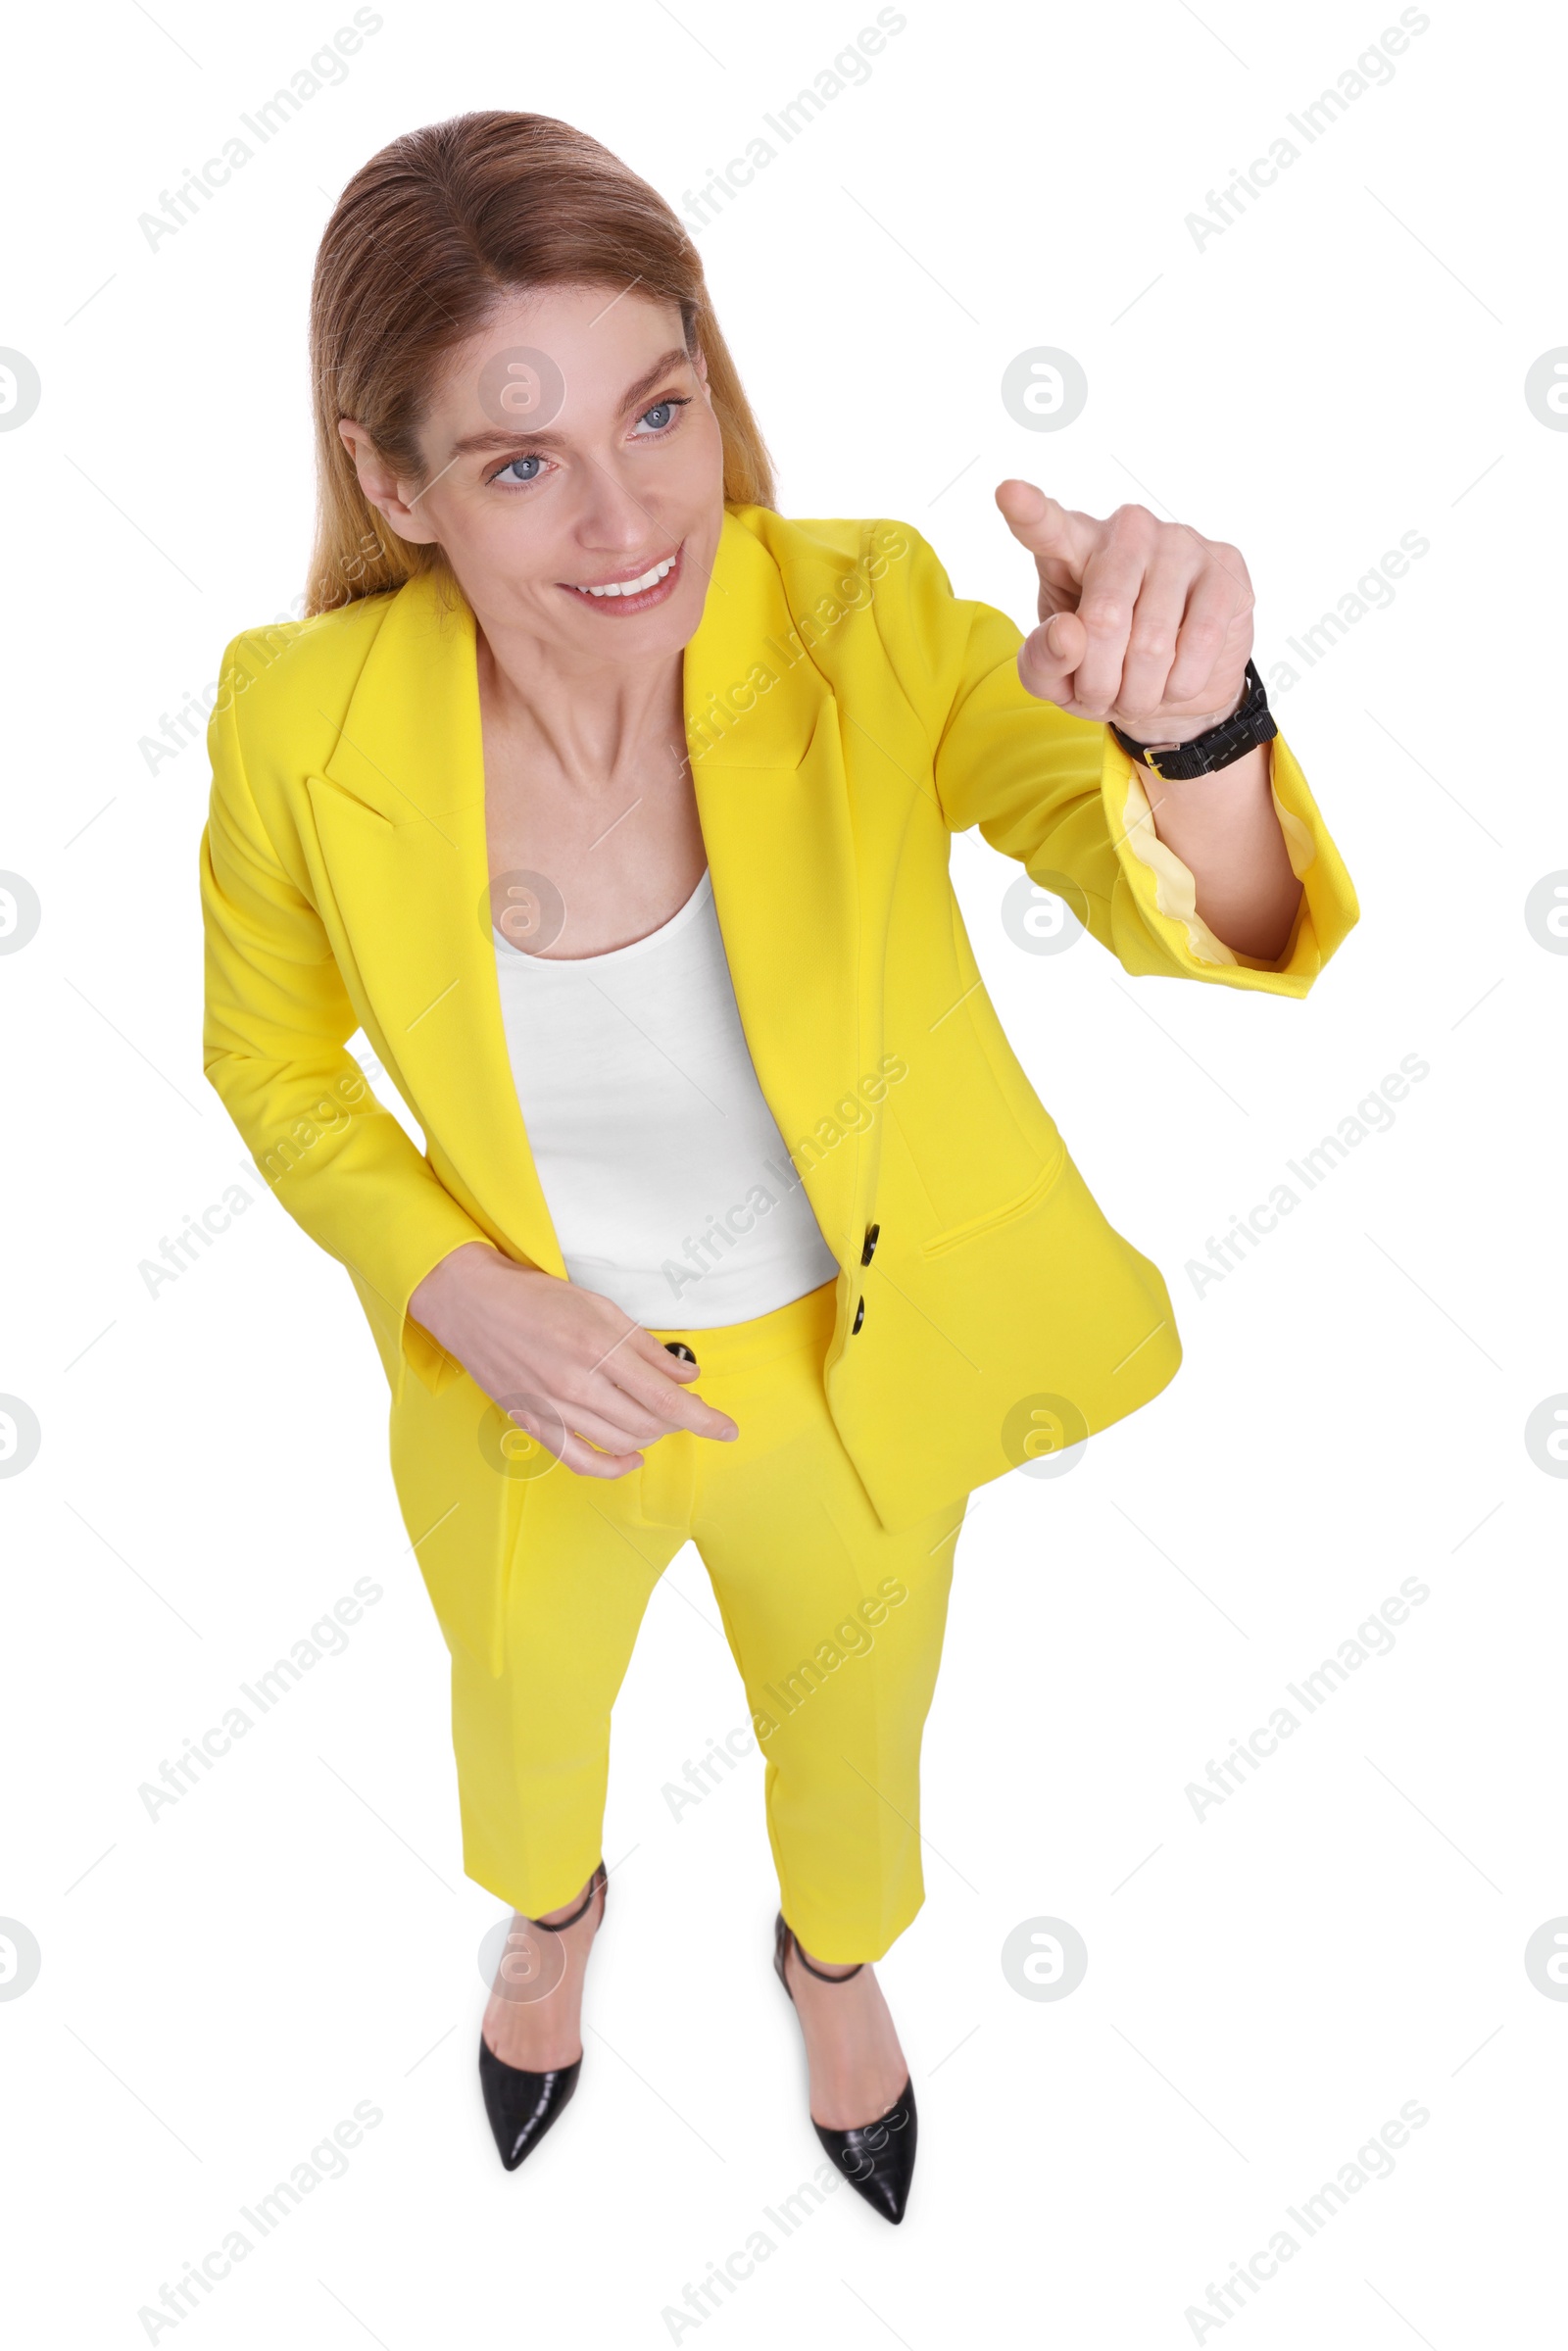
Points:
x=636, y=593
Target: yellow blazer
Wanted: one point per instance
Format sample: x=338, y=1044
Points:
x=846, y=713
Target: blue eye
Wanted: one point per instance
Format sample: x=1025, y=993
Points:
x=662, y=415
x=513, y=470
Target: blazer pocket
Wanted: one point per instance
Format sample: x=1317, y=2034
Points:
x=957, y=1235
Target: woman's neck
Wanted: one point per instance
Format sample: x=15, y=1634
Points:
x=595, y=723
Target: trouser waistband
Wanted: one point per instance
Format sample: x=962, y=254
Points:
x=805, y=1322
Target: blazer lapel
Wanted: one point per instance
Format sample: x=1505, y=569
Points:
x=401, y=810
x=400, y=807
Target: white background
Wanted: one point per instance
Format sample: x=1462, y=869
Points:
x=1267, y=1984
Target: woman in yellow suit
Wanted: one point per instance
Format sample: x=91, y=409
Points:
x=615, y=809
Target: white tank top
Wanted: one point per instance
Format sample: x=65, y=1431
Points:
x=664, y=1170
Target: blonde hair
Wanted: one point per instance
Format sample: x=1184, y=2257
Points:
x=425, y=240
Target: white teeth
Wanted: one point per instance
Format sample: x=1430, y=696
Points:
x=630, y=587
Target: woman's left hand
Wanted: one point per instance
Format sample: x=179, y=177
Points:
x=1143, y=623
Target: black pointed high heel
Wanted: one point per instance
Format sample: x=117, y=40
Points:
x=522, y=2106
x=876, y=2158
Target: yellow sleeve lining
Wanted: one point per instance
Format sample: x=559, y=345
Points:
x=1175, y=890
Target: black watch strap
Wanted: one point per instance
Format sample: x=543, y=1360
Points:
x=1248, y=724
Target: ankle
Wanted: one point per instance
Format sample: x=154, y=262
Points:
x=835, y=1971
x=579, y=1909
x=563, y=1910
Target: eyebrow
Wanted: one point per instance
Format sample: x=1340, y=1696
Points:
x=678, y=356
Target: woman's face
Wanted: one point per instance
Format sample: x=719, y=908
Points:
x=569, y=447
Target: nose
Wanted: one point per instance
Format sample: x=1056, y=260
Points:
x=613, y=520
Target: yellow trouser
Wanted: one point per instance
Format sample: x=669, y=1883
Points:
x=836, y=1626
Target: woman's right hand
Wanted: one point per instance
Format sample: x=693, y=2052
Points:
x=562, y=1362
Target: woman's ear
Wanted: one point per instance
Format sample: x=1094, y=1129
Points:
x=381, y=486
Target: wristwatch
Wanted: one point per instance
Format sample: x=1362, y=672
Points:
x=1248, y=725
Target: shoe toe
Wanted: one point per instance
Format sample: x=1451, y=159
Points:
x=877, y=2158
x=522, y=2106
